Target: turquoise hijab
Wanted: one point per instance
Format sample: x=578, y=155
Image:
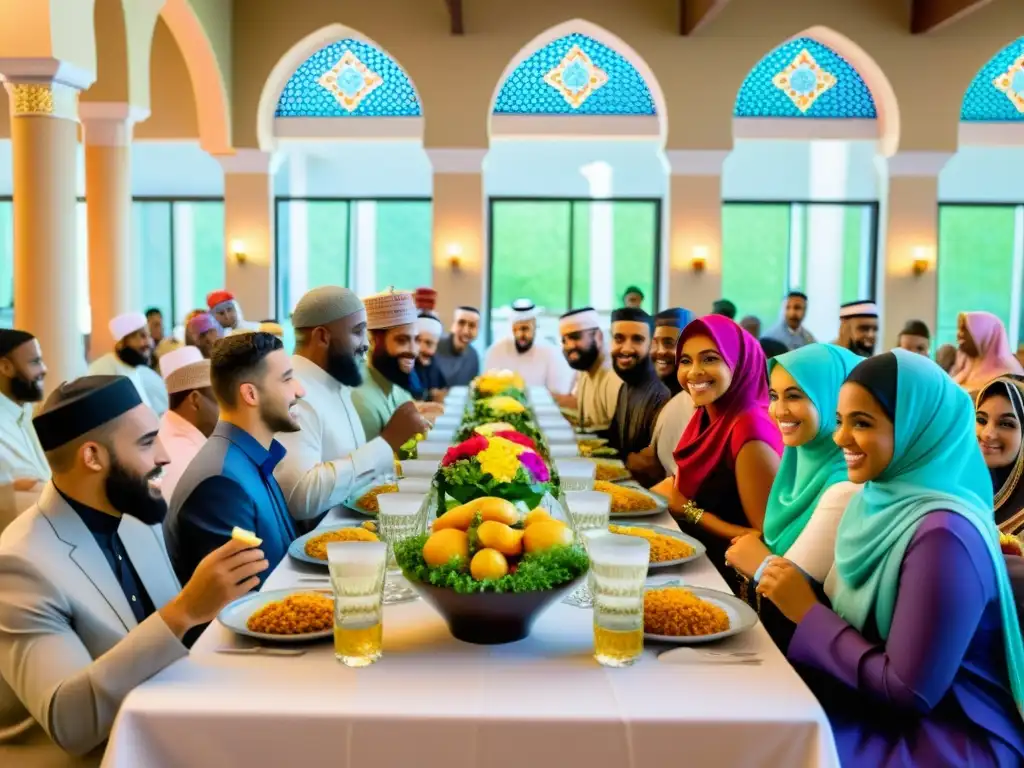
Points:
x=806, y=472
x=936, y=465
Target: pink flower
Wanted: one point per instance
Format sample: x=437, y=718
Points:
x=517, y=437
x=535, y=466
x=464, y=450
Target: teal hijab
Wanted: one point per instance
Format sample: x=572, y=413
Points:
x=806, y=472
x=936, y=465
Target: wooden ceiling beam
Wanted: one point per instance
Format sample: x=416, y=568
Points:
x=695, y=14
x=455, y=14
x=931, y=15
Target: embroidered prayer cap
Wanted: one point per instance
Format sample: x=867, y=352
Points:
x=127, y=324
x=523, y=310
x=202, y=323
x=632, y=315
x=11, y=339
x=577, y=320
x=390, y=309
x=184, y=370
x=324, y=305
x=858, y=309
x=215, y=298
x=80, y=406
x=429, y=324
x=425, y=298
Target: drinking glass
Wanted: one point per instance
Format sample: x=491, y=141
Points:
x=618, y=568
x=588, y=511
x=401, y=516
x=544, y=410
x=447, y=422
x=560, y=436
x=357, y=579
x=442, y=435
x=563, y=451
x=432, y=450
x=419, y=468
x=417, y=485
x=576, y=474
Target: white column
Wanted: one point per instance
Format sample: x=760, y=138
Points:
x=365, y=238
x=298, y=230
x=829, y=166
x=184, y=260
x=83, y=308
x=599, y=176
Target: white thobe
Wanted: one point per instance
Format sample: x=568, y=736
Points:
x=21, y=455
x=150, y=386
x=597, y=397
x=329, y=456
x=543, y=365
x=182, y=441
x=669, y=428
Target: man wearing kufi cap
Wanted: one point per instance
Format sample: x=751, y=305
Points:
x=858, y=327
x=202, y=331
x=790, y=328
x=456, y=356
x=225, y=310
x=133, y=349
x=668, y=325
x=539, y=362
x=330, y=457
x=192, y=412
x=22, y=371
x=428, y=335
x=597, y=387
x=89, y=605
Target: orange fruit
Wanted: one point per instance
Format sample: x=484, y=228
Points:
x=499, y=510
x=537, y=515
x=460, y=517
x=499, y=536
x=443, y=545
x=488, y=564
x=545, y=535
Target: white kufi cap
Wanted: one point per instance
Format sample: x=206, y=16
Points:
x=127, y=324
x=185, y=369
x=390, y=309
x=429, y=325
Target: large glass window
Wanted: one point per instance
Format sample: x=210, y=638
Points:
x=564, y=254
x=6, y=263
x=827, y=250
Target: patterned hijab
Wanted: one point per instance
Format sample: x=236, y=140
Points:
x=1009, y=491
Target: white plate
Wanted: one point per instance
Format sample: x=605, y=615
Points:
x=662, y=504
x=297, y=549
x=741, y=616
x=236, y=614
x=698, y=548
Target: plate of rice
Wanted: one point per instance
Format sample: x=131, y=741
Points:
x=281, y=615
x=687, y=615
x=631, y=500
x=364, y=500
x=611, y=470
x=312, y=547
x=668, y=547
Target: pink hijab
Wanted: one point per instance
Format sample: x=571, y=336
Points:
x=994, y=357
x=742, y=410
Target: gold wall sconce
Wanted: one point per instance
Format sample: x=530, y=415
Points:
x=454, y=251
x=922, y=259
x=238, y=251
x=699, y=258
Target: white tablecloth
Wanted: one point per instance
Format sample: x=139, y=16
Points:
x=431, y=700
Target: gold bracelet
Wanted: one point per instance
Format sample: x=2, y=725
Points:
x=692, y=513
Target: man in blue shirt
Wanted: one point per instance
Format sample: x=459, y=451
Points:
x=231, y=481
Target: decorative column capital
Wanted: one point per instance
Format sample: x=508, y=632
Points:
x=245, y=160
x=109, y=123
x=457, y=160
x=916, y=163
x=696, y=162
x=44, y=87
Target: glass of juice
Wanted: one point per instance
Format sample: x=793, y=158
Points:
x=576, y=474
x=401, y=516
x=618, y=570
x=357, y=578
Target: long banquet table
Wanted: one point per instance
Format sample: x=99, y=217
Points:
x=435, y=701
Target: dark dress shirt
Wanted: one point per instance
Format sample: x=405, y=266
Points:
x=431, y=379
x=458, y=368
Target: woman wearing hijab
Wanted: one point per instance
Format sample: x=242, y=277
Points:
x=984, y=351
x=811, y=489
x=920, y=662
x=728, y=455
x=998, y=426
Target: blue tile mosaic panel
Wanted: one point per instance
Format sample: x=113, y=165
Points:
x=575, y=75
x=349, y=78
x=804, y=78
x=996, y=95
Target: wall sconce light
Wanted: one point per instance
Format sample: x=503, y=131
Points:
x=922, y=259
x=699, y=259
x=454, y=251
x=238, y=251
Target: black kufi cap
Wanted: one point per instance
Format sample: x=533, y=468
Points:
x=632, y=315
x=82, y=405
x=11, y=339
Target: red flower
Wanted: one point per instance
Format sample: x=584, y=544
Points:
x=464, y=450
x=517, y=437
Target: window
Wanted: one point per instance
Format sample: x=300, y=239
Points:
x=827, y=250
x=566, y=254
x=6, y=264
x=981, y=248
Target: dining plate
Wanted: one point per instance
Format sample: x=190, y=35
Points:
x=662, y=504
x=698, y=548
x=614, y=470
x=352, y=502
x=297, y=549
x=235, y=615
x=741, y=616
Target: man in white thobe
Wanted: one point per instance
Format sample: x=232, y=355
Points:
x=596, y=393
x=329, y=457
x=192, y=413
x=539, y=363
x=132, y=352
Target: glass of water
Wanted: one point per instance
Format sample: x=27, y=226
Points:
x=618, y=568
x=588, y=511
x=576, y=474
x=357, y=579
x=400, y=517
x=419, y=468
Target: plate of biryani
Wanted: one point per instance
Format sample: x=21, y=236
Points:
x=281, y=615
x=687, y=615
x=364, y=500
x=312, y=547
x=611, y=470
x=668, y=547
x=631, y=500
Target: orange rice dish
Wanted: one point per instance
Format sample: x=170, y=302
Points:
x=625, y=499
x=368, y=500
x=609, y=472
x=295, y=615
x=317, y=546
x=677, y=612
x=663, y=548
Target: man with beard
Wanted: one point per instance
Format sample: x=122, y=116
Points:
x=192, y=415
x=643, y=394
x=790, y=328
x=225, y=310
x=538, y=362
x=22, y=372
x=203, y=331
x=230, y=483
x=133, y=350
x=329, y=456
x=428, y=335
x=89, y=605
x=668, y=324
x=597, y=387
x=456, y=357
x=858, y=327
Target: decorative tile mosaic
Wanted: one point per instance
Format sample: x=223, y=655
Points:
x=575, y=75
x=804, y=78
x=996, y=94
x=349, y=78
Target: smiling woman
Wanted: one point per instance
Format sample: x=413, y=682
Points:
x=998, y=427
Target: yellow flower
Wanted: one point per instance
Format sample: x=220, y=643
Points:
x=502, y=404
x=492, y=382
x=495, y=426
x=498, y=461
x=514, y=448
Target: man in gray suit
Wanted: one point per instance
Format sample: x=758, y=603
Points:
x=89, y=603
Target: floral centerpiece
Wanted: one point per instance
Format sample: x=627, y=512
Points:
x=520, y=423
x=491, y=383
x=505, y=465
